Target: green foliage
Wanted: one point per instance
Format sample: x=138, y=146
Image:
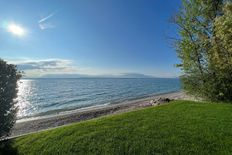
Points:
x=8, y=92
x=181, y=127
x=205, y=47
x=221, y=52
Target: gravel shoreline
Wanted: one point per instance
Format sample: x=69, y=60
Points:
x=27, y=126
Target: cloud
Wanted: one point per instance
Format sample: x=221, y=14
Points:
x=49, y=67
x=44, y=23
x=38, y=68
x=45, y=64
x=44, y=26
x=46, y=18
x=58, y=68
x=34, y=68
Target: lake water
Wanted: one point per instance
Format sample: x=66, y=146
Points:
x=37, y=97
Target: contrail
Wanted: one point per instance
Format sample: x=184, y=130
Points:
x=46, y=18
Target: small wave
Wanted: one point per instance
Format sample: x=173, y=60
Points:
x=66, y=102
x=98, y=94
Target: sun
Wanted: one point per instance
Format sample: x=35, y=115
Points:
x=16, y=30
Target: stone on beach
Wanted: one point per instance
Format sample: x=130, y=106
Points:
x=160, y=100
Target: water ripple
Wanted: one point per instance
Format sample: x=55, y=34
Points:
x=40, y=96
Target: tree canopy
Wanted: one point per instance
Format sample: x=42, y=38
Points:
x=205, y=47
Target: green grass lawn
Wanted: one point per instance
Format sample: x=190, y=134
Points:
x=181, y=127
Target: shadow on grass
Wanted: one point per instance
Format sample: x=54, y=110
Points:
x=6, y=147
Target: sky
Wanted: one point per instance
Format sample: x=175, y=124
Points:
x=90, y=37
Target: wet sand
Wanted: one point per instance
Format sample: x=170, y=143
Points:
x=26, y=126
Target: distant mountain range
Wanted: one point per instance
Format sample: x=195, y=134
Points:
x=125, y=75
x=134, y=75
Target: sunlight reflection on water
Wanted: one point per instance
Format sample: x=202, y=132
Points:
x=25, y=90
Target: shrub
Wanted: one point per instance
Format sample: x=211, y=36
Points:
x=9, y=75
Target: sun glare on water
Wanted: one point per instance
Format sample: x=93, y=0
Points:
x=16, y=30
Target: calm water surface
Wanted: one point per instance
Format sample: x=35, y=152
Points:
x=37, y=97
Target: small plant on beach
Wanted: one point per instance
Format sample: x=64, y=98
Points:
x=205, y=48
x=9, y=75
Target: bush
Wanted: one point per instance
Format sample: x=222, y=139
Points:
x=9, y=75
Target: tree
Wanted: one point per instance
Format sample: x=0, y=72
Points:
x=202, y=48
x=221, y=53
x=9, y=75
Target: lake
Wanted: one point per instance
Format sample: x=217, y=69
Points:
x=38, y=97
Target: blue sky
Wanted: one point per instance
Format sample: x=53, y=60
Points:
x=95, y=37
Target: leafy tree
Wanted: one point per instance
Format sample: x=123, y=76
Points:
x=8, y=92
x=205, y=47
x=221, y=53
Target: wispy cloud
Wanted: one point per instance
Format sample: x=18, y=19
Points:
x=46, y=18
x=44, y=26
x=44, y=22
